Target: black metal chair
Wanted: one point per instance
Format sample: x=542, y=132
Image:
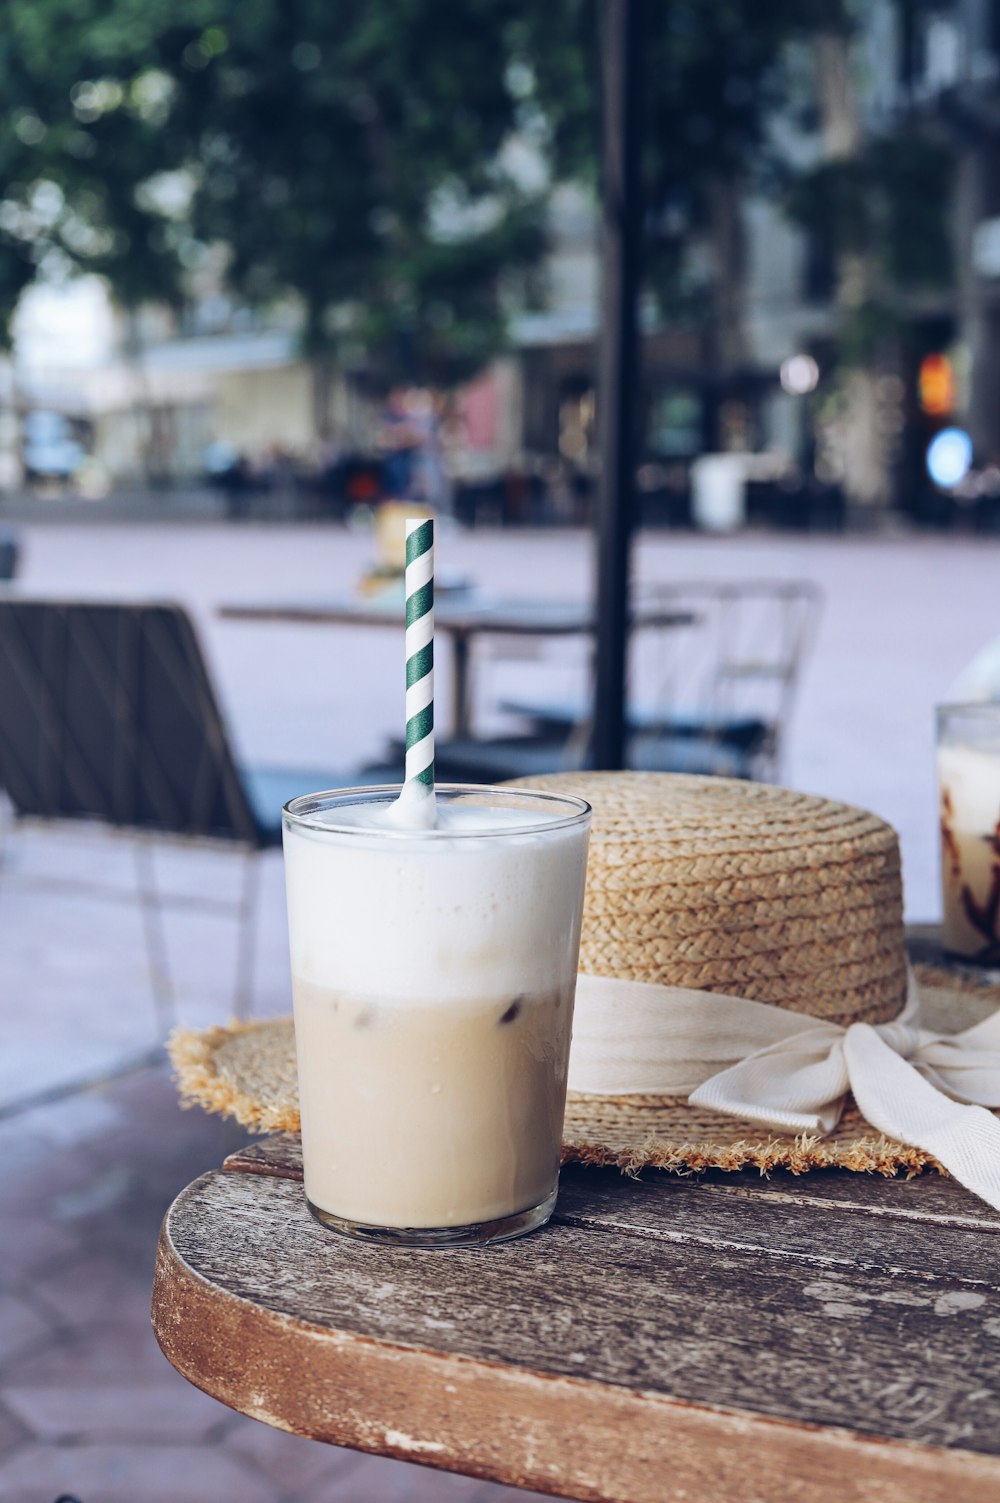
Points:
x=10, y=554
x=732, y=681
x=108, y=714
x=726, y=686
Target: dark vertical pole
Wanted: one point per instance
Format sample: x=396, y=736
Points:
x=618, y=377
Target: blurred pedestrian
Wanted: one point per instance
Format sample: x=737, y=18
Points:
x=399, y=440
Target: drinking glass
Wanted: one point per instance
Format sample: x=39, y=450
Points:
x=433, y=976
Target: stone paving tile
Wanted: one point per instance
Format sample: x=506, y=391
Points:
x=12, y=1433
x=291, y=1462
x=97, y=1194
x=32, y=1068
x=130, y=1474
x=49, y=1044
x=36, y=1164
x=22, y=1327
x=93, y=1290
x=380, y=1479
x=66, y=854
x=159, y=1138
x=35, y=1170
x=22, y=1152
x=97, y=1409
x=32, y=1244
x=76, y=1119
x=493, y=1492
x=103, y=1353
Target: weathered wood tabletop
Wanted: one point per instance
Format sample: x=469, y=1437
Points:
x=831, y=1337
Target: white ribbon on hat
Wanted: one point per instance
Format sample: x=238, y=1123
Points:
x=791, y=1072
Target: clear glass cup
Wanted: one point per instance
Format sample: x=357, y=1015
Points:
x=433, y=975
x=968, y=764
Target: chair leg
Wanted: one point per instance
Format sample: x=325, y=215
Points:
x=246, y=940
x=155, y=934
x=767, y=763
x=10, y=830
x=6, y=828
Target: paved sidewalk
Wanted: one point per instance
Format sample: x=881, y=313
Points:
x=87, y=1404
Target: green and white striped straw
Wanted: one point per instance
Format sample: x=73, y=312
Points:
x=420, y=652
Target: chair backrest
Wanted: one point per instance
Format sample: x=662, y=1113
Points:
x=742, y=655
x=765, y=628
x=107, y=712
x=509, y=669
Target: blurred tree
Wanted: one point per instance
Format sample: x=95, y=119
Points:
x=86, y=111
x=387, y=161
x=352, y=155
x=715, y=86
x=873, y=202
x=359, y=154
x=724, y=99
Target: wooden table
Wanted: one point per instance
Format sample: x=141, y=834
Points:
x=461, y=617
x=727, y=1339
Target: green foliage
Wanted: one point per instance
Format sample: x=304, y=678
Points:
x=886, y=207
x=349, y=153
x=354, y=153
x=714, y=76
x=85, y=130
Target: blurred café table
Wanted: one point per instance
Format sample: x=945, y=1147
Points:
x=461, y=616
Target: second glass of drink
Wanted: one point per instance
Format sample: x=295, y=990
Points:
x=968, y=758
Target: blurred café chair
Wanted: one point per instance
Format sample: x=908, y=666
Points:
x=733, y=682
x=725, y=686
x=10, y=553
x=108, y=715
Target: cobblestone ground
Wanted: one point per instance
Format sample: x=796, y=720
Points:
x=87, y=1404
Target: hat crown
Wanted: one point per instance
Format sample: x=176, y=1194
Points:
x=745, y=889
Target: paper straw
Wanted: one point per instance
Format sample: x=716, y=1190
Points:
x=420, y=652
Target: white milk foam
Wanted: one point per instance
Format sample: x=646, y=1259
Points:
x=415, y=809
x=415, y=917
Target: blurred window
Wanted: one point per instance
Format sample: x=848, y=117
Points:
x=676, y=424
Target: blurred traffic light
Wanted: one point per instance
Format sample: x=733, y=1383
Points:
x=936, y=386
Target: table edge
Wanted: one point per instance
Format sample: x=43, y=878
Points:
x=498, y=1421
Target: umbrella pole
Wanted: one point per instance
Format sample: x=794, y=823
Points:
x=618, y=373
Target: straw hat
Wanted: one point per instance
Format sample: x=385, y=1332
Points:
x=740, y=888
x=708, y=883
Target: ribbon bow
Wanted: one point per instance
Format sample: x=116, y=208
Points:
x=791, y=1072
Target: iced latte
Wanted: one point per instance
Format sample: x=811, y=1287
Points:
x=969, y=784
x=433, y=974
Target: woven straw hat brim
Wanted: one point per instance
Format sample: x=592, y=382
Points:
x=247, y=1071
